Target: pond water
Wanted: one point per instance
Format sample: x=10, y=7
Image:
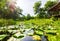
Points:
x=43, y=38
x=30, y=38
x=27, y=38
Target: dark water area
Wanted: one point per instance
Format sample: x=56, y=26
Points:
x=44, y=38
x=28, y=38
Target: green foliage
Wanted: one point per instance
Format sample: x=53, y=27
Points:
x=4, y=22
x=37, y=6
x=6, y=13
x=54, y=18
x=21, y=35
x=2, y=4
x=28, y=17
x=2, y=37
x=51, y=28
x=43, y=12
x=49, y=4
x=11, y=22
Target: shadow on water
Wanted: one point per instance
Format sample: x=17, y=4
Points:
x=30, y=38
x=44, y=38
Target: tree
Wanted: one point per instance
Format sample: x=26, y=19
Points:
x=42, y=12
x=37, y=6
x=16, y=14
x=2, y=7
x=49, y=4
x=8, y=10
x=38, y=10
x=28, y=17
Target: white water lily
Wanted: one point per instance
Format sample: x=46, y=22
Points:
x=28, y=32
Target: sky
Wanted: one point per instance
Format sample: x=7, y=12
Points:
x=27, y=6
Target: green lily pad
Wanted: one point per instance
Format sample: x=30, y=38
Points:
x=2, y=36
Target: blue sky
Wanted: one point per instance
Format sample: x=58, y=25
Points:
x=27, y=6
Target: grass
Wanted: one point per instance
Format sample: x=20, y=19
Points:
x=7, y=22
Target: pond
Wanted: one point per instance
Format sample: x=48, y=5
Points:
x=30, y=38
x=44, y=38
x=27, y=38
x=26, y=32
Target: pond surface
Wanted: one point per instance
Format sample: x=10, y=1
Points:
x=28, y=38
x=43, y=38
x=26, y=32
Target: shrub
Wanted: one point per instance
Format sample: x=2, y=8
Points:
x=4, y=22
x=11, y=22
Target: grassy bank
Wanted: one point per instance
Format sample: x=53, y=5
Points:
x=6, y=22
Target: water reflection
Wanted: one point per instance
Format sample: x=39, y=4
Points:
x=29, y=32
x=28, y=38
x=43, y=38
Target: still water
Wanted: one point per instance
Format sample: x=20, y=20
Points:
x=27, y=38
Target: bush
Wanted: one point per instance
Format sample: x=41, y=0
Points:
x=4, y=22
x=54, y=18
x=11, y=22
